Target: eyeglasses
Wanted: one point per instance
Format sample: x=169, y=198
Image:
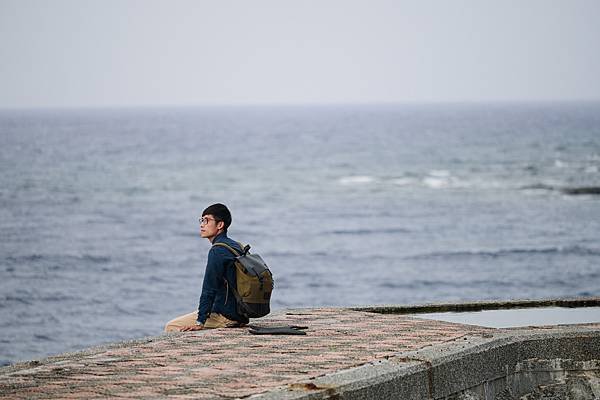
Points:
x=205, y=220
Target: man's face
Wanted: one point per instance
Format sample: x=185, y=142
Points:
x=209, y=227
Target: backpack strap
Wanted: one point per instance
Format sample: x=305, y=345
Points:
x=245, y=249
x=228, y=247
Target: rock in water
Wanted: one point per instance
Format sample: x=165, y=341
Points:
x=582, y=190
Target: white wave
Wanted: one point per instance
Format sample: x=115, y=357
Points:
x=592, y=169
x=436, y=183
x=439, y=173
x=356, y=180
x=560, y=164
x=403, y=181
x=441, y=178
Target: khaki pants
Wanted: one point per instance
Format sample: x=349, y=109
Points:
x=214, y=320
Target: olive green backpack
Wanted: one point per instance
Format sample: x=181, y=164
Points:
x=254, y=282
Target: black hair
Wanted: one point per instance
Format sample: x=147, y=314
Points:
x=220, y=212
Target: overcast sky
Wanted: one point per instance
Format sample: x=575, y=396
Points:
x=110, y=53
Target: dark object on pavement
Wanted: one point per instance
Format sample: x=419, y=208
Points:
x=277, y=330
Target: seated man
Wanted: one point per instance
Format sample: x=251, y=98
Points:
x=217, y=308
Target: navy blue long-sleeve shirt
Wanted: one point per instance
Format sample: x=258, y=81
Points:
x=216, y=296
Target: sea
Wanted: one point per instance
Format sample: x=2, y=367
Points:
x=349, y=205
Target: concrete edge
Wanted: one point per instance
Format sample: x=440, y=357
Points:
x=443, y=370
x=569, y=302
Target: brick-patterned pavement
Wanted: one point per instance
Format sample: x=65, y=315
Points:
x=228, y=363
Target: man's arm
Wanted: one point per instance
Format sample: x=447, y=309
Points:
x=213, y=278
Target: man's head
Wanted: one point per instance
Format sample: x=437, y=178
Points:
x=215, y=220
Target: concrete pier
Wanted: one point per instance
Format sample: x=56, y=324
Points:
x=347, y=353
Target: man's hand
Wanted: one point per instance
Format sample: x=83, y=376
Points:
x=188, y=328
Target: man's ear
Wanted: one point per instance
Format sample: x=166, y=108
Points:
x=220, y=225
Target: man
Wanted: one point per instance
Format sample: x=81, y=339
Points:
x=217, y=308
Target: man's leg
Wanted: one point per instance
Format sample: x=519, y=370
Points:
x=214, y=320
x=176, y=324
x=219, y=321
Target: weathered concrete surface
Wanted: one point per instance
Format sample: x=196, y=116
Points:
x=502, y=364
x=229, y=363
x=347, y=354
